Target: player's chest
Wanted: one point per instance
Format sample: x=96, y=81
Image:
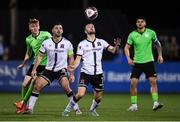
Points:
x=92, y=47
x=56, y=48
x=142, y=39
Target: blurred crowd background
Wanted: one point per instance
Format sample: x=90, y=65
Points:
x=116, y=19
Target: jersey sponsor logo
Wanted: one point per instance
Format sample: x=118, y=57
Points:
x=56, y=50
x=93, y=49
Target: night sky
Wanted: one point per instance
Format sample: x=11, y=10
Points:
x=164, y=14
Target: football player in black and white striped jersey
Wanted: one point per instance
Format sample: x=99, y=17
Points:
x=59, y=53
x=90, y=50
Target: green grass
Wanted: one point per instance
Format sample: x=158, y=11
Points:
x=113, y=108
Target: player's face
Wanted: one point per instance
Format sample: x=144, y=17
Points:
x=57, y=30
x=34, y=28
x=90, y=29
x=140, y=23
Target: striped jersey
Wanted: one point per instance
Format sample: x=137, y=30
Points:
x=91, y=53
x=57, y=53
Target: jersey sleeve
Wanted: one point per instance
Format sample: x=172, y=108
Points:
x=80, y=49
x=70, y=50
x=28, y=45
x=42, y=48
x=105, y=44
x=130, y=40
x=154, y=36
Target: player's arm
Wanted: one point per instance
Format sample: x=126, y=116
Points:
x=127, y=53
x=159, y=50
x=36, y=64
x=70, y=62
x=26, y=58
x=75, y=64
x=115, y=48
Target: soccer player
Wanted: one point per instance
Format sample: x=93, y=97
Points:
x=59, y=52
x=91, y=51
x=33, y=42
x=142, y=39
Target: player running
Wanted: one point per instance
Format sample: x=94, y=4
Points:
x=33, y=42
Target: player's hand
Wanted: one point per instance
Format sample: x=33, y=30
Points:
x=117, y=41
x=71, y=78
x=20, y=66
x=71, y=68
x=34, y=74
x=130, y=61
x=160, y=59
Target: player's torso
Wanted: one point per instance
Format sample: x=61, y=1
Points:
x=92, y=56
x=57, y=54
x=35, y=44
x=143, y=46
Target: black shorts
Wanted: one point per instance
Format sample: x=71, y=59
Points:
x=95, y=80
x=49, y=75
x=147, y=68
x=40, y=69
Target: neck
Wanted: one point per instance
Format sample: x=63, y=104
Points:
x=141, y=30
x=35, y=34
x=57, y=39
x=91, y=37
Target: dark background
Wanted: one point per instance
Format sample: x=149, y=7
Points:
x=116, y=18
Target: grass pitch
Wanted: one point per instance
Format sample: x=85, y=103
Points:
x=49, y=107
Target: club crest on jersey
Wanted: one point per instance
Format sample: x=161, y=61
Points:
x=98, y=43
x=62, y=46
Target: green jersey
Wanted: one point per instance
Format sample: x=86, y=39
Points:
x=142, y=45
x=34, y=43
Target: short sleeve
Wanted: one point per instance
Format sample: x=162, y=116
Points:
x=130, y=40
x=105, y=44
x=70, y=49
x=28, y=45
x=42, y=48
x=154, y=36
x=80, y=49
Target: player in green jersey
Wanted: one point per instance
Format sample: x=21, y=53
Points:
x=143, y=62
x=33, y=42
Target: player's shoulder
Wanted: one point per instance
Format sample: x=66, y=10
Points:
x=29, y=38
x=99, y=39
x=150, y=30
x=133, y=32
x=44, y=32
x=49, y=40
x=83, y=41
x=66, y=40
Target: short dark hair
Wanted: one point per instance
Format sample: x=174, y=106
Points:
x=87, y=24
x=141, y=17
x=57, y=23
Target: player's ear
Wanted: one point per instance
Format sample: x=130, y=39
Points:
x=85, y=31
x=144, y=23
